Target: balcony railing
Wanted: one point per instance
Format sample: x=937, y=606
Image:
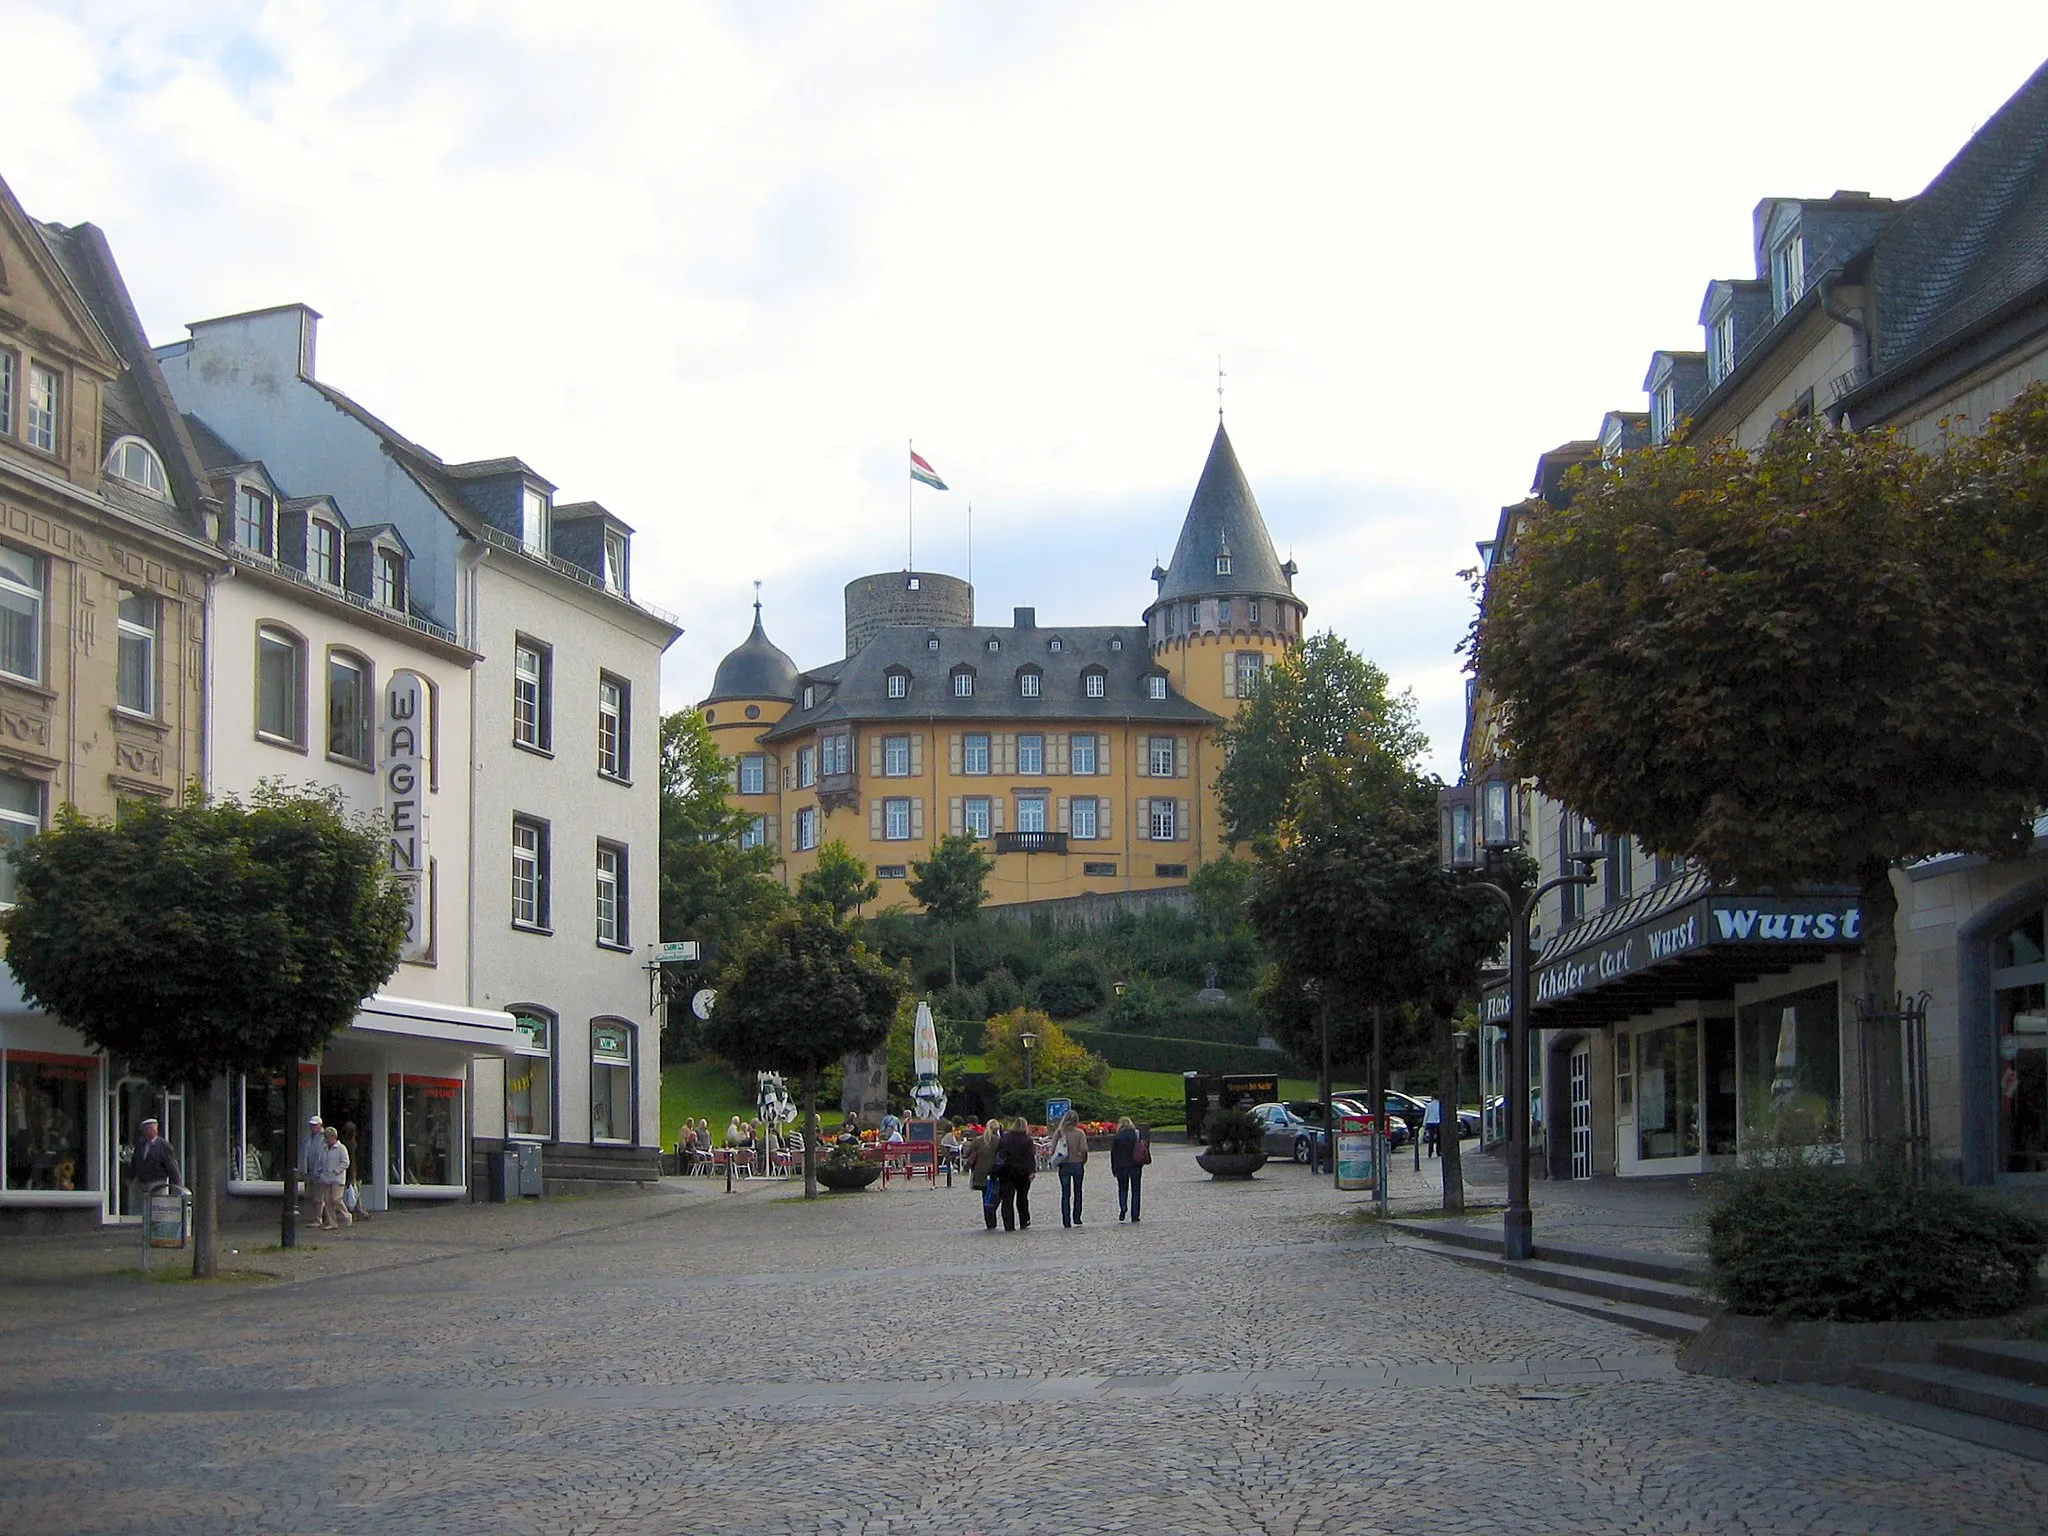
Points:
x=557, y=564
x=1031, y=842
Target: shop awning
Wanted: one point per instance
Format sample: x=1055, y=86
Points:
x=476, y=1029
x=1679, y=941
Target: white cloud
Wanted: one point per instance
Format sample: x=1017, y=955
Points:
x=711, y=264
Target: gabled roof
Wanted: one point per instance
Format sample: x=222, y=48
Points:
x=1976, y=239
x=856, y=689
x=1223, y=519
x=40, y=250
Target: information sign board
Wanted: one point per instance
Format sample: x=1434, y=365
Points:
x=1056, y=1110
x=1357, y=1144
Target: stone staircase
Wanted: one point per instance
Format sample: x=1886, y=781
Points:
x=2003, y=1379
x=1653, y=1293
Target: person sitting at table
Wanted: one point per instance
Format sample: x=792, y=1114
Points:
x=686, y=1146
x=735, y=1135
x=850, y=1129
x=895, y=1136
x=951, y=1145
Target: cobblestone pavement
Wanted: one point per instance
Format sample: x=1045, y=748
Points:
x=1251, y=1359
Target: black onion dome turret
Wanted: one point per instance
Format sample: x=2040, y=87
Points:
x=757, y=669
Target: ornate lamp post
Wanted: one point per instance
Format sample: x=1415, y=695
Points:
x=1480, y=825
x=1030, y=1043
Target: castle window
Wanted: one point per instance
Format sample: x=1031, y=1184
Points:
x=836, y=754
x=1251, y=668
x=963, y=683
x=931, y=642
x=1155, y=687
x=810, y=696
x=1056, y=644
x=974, y=815
x=896, y=756
x=974, y=754
x=1027, y=683
x=1223, y=613
x=1116, y=642
x=1223, y=565
x=753, y=774
x=1094, y=683
x=899, y=684
x=1254, y=619
x=994, y=644
x=1031, y=755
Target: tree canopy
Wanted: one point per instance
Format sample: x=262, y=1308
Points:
x=204, y=940
x=953, y=883
x=712, y=889
x=804, y=994
x=1321, y=698
x=839, y=882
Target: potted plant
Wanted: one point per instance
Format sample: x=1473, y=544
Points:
x=844, y=1168
x=1236, y=1142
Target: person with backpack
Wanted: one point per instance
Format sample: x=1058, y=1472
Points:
x=1129, y=1153
x=1070, y=1156
x=1016, y=1161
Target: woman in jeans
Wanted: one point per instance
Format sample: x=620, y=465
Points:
x=1070, y=1156
x=1130, y=1173
x=1016, y=1161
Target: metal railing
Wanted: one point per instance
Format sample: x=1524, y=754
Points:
x=502, y=540
x=243, y=555
x=1031, y=842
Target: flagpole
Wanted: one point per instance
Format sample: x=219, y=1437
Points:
x=910, y=506
x=970, y=544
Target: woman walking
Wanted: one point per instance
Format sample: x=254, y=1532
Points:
x=1129, y=1152
x=1070, y=1156
x=1016, y=1161
x=981, y=1171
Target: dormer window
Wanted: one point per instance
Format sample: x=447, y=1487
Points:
x=388, y=579
x=1721, y=347
x=810, y=696
x=1254, y=619
x=963, y=683
x=1116, y=642
x=1094, y=683
x=994, y=644
x=615, y=563
x=1788, y=273
x=1027, y=683
x=133, y=461
x=534, y=518
x=898, y=683
x=323, y=552
x=255, y=520
x=1155, y=687
x=1223, y=565
x=931, y=642
x=1055, y=644
x=1663, y=413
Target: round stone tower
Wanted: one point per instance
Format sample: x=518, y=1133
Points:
x=904, y=597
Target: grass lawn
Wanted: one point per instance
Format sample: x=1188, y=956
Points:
x=703, y=1091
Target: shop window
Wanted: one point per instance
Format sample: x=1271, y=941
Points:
x=1624, y=1076
x=2019, y=996
x=425, y=1127
x=47, y=1118
x=257, y=1140
x=530, y=1077
x=1668, y=1092
x=611, y=1081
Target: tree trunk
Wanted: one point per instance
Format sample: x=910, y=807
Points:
x=1449, y=1093
x=1884, y=1066
x=204, y=1179
x=953, y=950
x=812, y=1131
x=295, y=1132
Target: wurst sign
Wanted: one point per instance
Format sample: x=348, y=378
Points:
x=1714, y=922
x=405, y=832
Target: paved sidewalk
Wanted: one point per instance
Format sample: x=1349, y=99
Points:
x=1253, y=1358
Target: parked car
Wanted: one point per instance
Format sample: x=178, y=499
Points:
x=1468, y=1119
x=1404, y=1115
x=1287, y=1133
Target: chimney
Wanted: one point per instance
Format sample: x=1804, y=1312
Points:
x=1027, y=618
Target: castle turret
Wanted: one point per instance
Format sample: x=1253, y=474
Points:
x=754, y=687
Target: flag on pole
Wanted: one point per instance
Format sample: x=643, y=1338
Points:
x=923, y=473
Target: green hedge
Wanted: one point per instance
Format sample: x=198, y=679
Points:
x=1853, y=1245
x=1165, y=1053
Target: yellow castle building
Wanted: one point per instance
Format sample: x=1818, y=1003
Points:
x=1084, y=757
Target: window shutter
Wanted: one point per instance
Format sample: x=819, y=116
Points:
x=788, y=776
x=1004, y=750
x=956, y=816
x=953, y=753
x=1103, y=759
x=1182, y=832
x=1056, y=753
x=917, y=816
x=1141, y=757
x=1145, y=821
x=732, y=776
x=1180, y=757
x=772, y=833
x=1230, y=674
x=1061, y=821
x=917, y=755
x=874, y=757
x=996, y=806
x=875, y=820
x=1102, y=827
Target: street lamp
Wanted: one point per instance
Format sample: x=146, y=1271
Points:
x=1030, y=1050
x=1480, y=826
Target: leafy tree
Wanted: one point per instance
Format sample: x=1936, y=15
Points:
x=839, y=881
x=1218, y=890
x=711, y=888
x=1058, y=1055
x=1809, y=663
x=951, y=885
x=804, y=995
x=201, y=941
x=1320, y=699
x=1071, y=985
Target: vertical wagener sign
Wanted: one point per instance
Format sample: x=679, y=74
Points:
x=404, y=816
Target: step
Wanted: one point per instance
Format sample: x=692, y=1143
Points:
x=1677, y=1269
x=1659, y=1322
x=1632, y=1290
x=1998, y=1436
x=1965, y=1391
x=2019, y=1360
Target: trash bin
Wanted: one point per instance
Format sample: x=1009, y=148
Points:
x=529, y=1169
x=504, y=1175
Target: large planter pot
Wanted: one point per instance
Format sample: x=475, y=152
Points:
x=844, y=1179
x=1231, y=1165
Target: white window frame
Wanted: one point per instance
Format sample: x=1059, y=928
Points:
x=1031, y=754
x=133, y=462
x=899, y=685
x=1721, y=345
x=974, y=752
x=806, y=767
x=535, y=518
x=1251, y=671
x=755, y=833
x=616, y=566
x=975, y=815
x=532, y=708
x=323, y=551
x=1162, y=821
x=17, y=826
x=806, y=828
x=22, y=576
x=963, y=685
x=1160, y=756
x=614, y=716
x=362, y=752
x=1095, y=685
x=278, y=639
x=1031, y=814
x=138, y=617
x=612, y=929
x=896, y=819
x=1788, y=271
x=835, y=754
x=1223, y=565
x=387, y=568
x=255, y=520
x=1081, y=818
x=753, y=773
x=7, y=376
x=1027, y=685
x=895, y=757
x=1080, y=748
x=45, y=405
x=1155, y=687
x=536, y=1054
x=530, y=873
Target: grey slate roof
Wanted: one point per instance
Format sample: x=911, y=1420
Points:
x=1224, y=518
x=856, y=689
x=1976, y=239
x=756, y=669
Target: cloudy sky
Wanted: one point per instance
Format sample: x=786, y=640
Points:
x=713, y=264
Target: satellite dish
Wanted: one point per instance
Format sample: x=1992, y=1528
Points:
x=700, y=1005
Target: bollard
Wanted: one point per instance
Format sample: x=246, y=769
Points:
x=728, y=1173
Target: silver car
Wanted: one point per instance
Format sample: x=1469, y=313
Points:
x=1287, y=1134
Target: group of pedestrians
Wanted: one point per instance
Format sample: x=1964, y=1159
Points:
x=1003, y=1160
x=328, y=1162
